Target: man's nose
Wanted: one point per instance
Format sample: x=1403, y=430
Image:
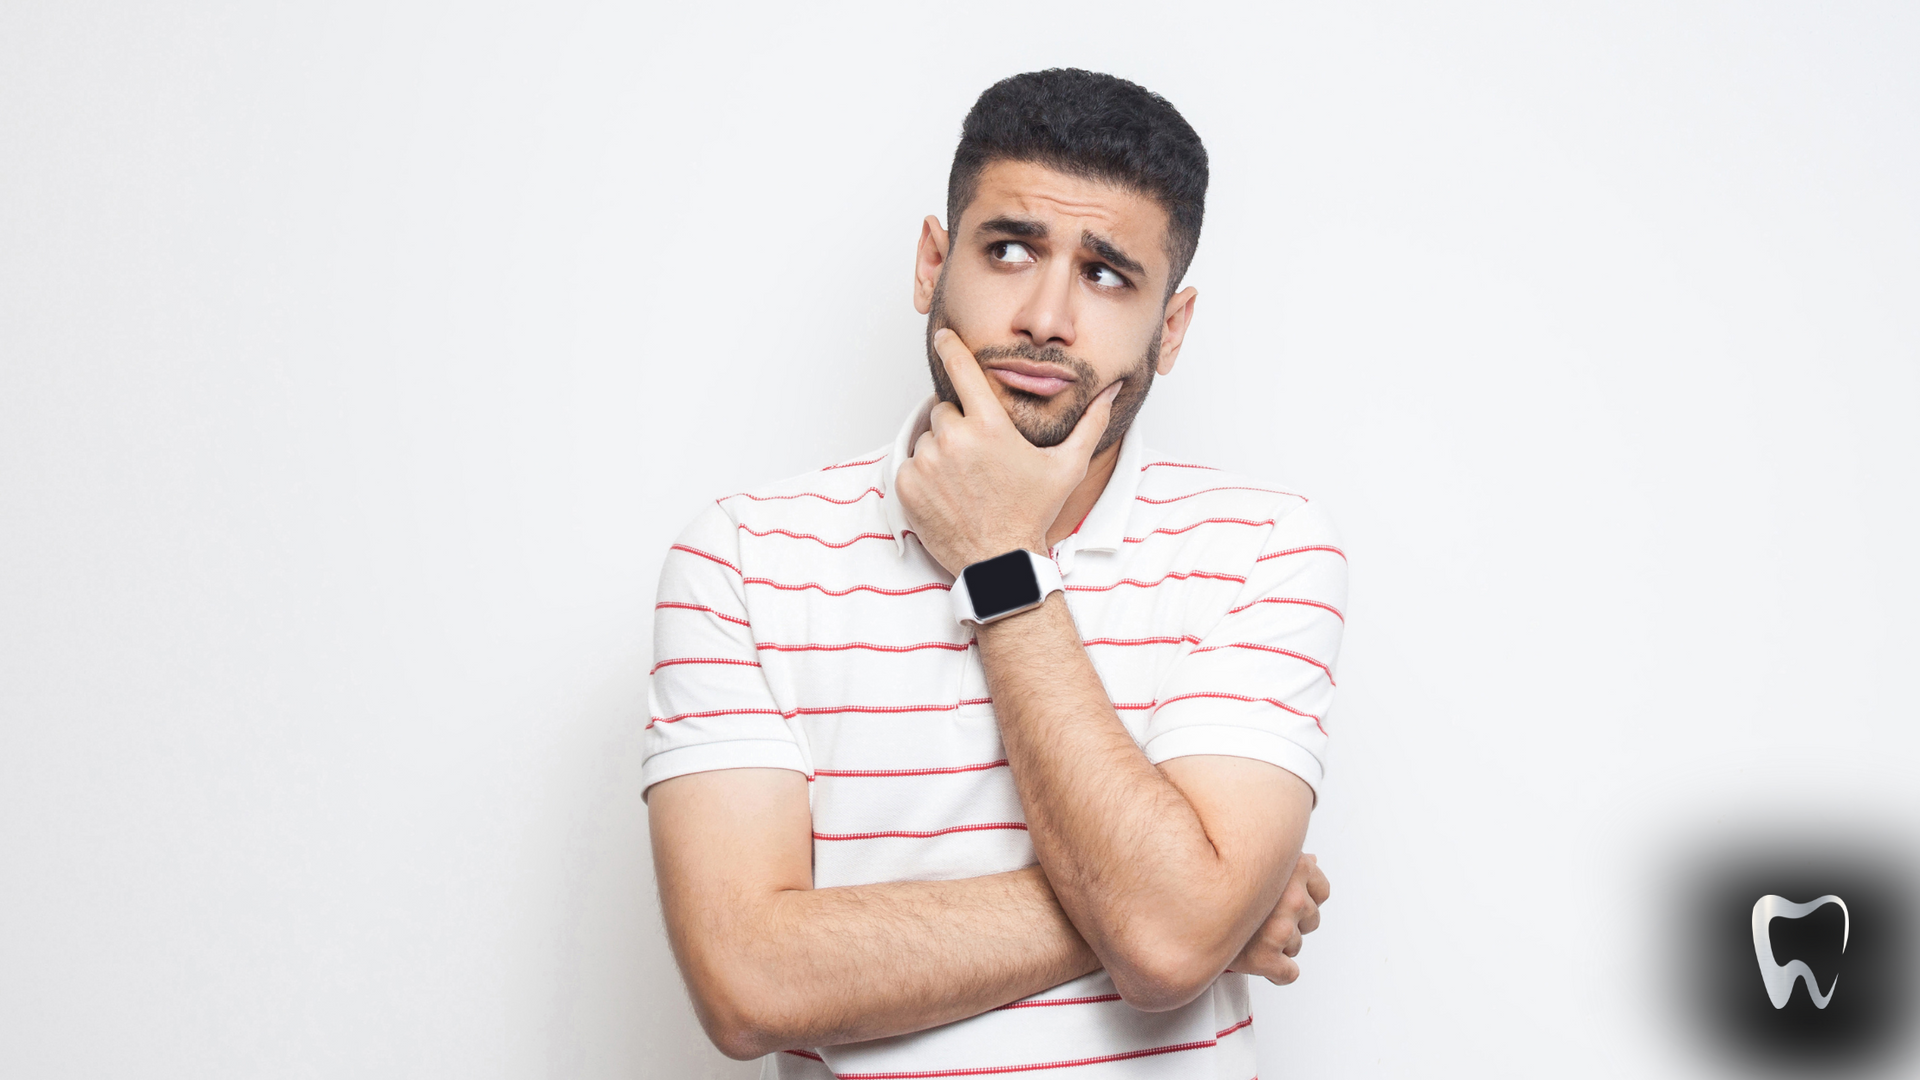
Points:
x=1046, y=318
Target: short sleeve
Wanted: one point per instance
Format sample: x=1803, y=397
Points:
x=709, y=701
x=1259, y=684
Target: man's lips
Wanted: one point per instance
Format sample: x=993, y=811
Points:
x=1045, y=380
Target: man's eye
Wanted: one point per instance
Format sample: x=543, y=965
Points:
x=1106, y=275
x=1010, y=251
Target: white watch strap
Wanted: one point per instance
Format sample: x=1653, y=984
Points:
x=1047, y=573
x=1044, y=572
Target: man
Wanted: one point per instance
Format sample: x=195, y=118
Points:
x=993, y=752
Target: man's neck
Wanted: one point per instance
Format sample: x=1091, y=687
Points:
x=1078, y=504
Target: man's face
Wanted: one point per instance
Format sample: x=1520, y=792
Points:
x=1058, y=284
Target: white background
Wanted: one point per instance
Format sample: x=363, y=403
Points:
x=358, y=363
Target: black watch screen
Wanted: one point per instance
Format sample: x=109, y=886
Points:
x=1001, y=584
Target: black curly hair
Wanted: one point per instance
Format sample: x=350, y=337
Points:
x=1093, y=125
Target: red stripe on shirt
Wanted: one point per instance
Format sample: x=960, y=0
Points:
x=830, y=709
x=704, y=660
x=950, y=646
x=1298, y=550
x=1250, y=700
x=820, y=540
x=1289, y=600
x=999, y=1070
x=848, y=591
x=701, y=607
x=982, y=767
x=803, y=495
x=827, y=710
x=1181, y=640
x=1175, y=576
x=1195, y=525
x=677, y=717
x=1272, y=649
x=851, y=464
x=1004, y=1069
x=1176, y=465
x=1061, y=1001
x=705, y=555
x=1203, y=491
x=983, y=827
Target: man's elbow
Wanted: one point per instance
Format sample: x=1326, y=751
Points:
x=741, y=1043
x=737, y=1025
x=1162, y=977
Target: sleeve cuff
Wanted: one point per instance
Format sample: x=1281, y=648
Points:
x=708, y=757
x=1246, y=742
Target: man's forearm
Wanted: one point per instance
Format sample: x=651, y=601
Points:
x=1125, y=851
x=823, y=967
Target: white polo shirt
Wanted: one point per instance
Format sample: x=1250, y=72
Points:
x=801, y=626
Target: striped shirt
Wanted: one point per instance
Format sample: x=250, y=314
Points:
x=801, y=626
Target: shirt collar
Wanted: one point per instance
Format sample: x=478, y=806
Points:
x=1105, y=526
x=919, y=421
x=1103, y=529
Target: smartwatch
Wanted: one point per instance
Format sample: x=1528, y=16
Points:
x=1004, y=585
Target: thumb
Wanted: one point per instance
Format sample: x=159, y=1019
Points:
x=1093, y=424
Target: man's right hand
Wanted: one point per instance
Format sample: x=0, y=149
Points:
x=1270, y=952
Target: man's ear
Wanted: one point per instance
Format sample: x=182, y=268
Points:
x=927, y=263
x=1173, y=332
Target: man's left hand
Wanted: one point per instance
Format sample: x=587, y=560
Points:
x=975, y=487
x=1270, y=952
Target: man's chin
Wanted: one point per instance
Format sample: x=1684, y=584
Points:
x=1043, y=426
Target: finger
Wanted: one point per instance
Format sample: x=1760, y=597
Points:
x=1318, y=886
x=1296, y=900
x=1093, y=424
x=1310, y=921
x=943, y=415
x=1292, y=947
x=977, y=398
x=923, y=446
x=1285, y=971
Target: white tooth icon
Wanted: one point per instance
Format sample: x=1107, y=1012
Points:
x=1780, y=978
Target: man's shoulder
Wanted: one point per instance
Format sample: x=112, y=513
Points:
x=831, y=491
x=1180, y=488
x=843, y=483
x=1188, y=509
x=824, y=506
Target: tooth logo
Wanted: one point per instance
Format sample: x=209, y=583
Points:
x=1780, y=977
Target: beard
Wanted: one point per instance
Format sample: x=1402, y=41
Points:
x=1033, y=415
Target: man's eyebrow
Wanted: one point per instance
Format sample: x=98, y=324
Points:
x=1032, y=230
x=1105, y=248
x=1036, y=230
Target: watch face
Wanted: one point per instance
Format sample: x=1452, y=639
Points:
x=1001, y=584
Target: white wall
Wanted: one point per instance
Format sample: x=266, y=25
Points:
x=357, y=365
